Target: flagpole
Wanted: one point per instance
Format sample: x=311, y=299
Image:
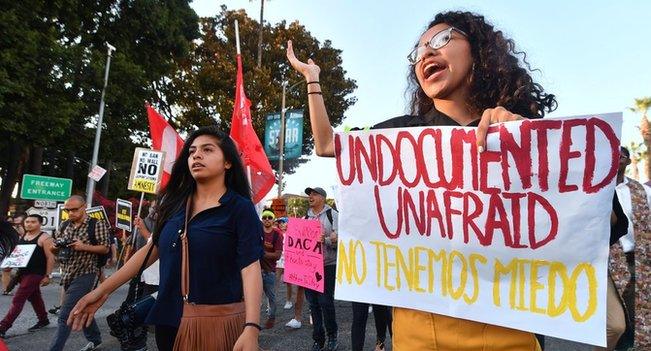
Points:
x=134, y=233
x=239, y=52
x=237, y=38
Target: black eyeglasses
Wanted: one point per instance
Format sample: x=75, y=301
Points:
x=266, y=218
x=66, y=210
x=437, y=41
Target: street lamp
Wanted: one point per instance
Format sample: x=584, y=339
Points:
x=90, y=184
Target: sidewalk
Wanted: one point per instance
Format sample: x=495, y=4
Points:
x=279, y=338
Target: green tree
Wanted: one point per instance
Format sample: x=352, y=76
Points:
x=51, y=74
x=203, y=89
x=34, y=101
x=297, y=206
x=642, y=106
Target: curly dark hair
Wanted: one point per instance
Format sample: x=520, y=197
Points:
x=498, y=78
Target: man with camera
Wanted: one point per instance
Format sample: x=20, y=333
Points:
x=80, y=244
x=33, y=276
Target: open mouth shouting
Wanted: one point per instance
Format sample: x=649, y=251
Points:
x=433, y=70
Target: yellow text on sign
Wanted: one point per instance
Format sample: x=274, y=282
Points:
x=146, y=186
x=455, y=275
x=516, y=270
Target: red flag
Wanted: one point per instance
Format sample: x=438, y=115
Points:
x=255, y=160
x=164, y=138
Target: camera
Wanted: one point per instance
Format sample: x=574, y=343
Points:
x=127, y=324
x=61, y=243
x=64, y=251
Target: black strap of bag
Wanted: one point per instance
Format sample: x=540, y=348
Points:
x=328, y=214
x=135, y=288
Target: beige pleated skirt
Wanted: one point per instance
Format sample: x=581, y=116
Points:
x=210, y=327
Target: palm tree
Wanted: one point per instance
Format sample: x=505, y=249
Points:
x=637, y=154
x=642, y=106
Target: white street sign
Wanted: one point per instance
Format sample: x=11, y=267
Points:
x=96, y=173
x=50, y=217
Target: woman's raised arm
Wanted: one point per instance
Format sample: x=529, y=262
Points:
x=321, y=128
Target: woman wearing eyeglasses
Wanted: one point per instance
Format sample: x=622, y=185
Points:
x=463, y=73
x=207, y=198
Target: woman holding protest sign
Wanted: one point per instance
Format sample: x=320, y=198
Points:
x=463, y=72
x=209, y=245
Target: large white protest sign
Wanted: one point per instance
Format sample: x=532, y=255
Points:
x=146, y=170
x=20, y=257
x=515, y=236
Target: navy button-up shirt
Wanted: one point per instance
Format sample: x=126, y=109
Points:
x=222, y=241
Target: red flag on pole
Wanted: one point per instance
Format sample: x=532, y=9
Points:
x=255, y=160
x=164, y=138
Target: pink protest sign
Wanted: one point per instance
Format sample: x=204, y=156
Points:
x=303, y=254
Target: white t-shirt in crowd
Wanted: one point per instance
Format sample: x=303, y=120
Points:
x=151, y=275
x=624, y=195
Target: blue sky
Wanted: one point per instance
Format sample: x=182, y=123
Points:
x=593, y=56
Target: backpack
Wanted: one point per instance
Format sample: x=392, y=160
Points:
x=328, y=214
x=92, y=223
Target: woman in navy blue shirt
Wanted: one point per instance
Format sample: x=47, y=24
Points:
x=224, y=244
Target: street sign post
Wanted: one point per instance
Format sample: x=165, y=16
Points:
x=36, y=187
x=45, y=204
x=96, y=173
x=293, y=136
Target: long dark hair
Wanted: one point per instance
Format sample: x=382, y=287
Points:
x=498, y=78
x=181, y=184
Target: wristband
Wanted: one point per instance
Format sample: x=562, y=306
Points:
x=251, y=324
x=314, y=92
x=313, y=82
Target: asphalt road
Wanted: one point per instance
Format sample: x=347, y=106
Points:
x=278, y=339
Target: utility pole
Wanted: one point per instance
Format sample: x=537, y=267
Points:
x=260, y=33
x=90, y=184
x=281, y=157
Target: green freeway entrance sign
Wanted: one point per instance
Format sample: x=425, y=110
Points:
x=37, y=187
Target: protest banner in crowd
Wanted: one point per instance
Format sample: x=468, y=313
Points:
x=97, y=212
x=146, y=170
x=303, y=251
x=516, y=235
x=123, y=210
x=20, y=257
